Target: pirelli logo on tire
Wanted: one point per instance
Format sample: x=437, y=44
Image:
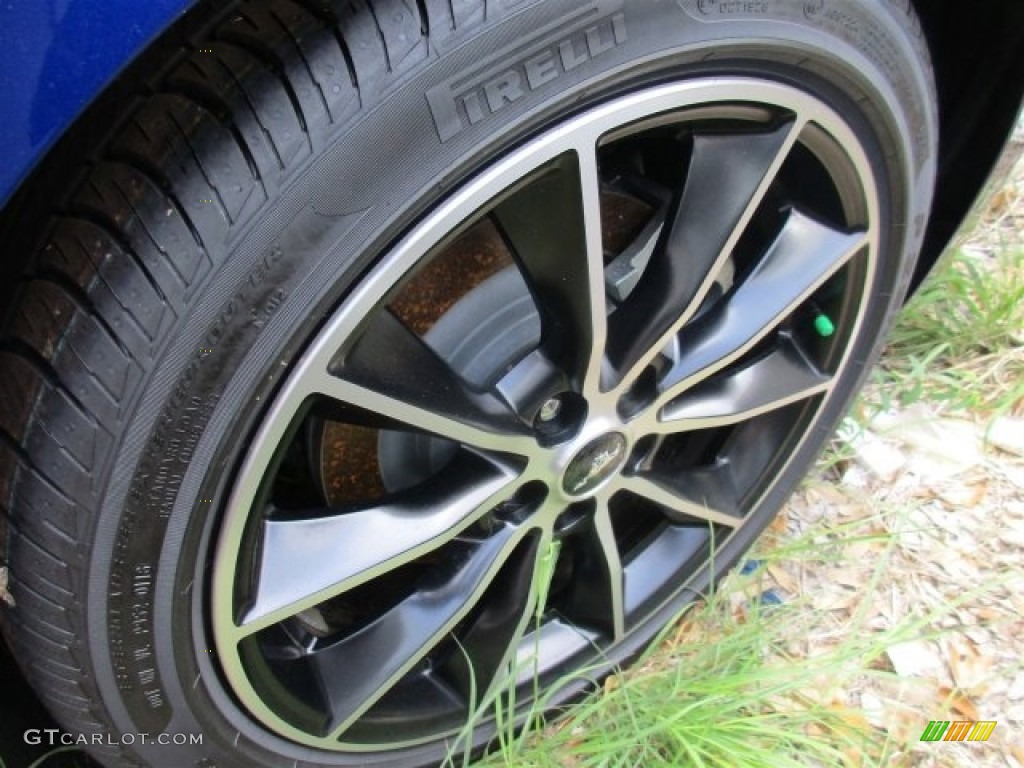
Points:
x=512, y=73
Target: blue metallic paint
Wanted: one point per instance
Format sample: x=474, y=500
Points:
x=56, y=56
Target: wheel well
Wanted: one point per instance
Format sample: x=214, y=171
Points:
x=978, y=53
x=45, y=190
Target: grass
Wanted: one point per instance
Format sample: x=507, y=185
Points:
x=729, y=684
x=959, y=342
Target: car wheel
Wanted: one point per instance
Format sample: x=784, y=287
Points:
x=391, y=356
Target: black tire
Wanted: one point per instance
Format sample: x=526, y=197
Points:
x=231, y=213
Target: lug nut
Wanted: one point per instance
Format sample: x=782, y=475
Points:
x=550, y=410
x=559, y=418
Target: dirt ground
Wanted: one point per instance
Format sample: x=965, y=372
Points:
x=943, y=497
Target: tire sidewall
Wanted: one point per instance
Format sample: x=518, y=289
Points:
x=246, y=325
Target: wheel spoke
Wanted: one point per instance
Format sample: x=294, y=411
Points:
x=727, y=179
x=803, y=257
x=488, y=648
x=782, y=377
x=308, y=560
x=663, y=561
x=556, y=640
x=357, y=671
x=553, y=226
x=392, y=373
x=689, y=496
x=595, y=596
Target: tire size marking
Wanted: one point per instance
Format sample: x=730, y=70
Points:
x=156, y=484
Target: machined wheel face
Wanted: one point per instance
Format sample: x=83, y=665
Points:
x=539, y=415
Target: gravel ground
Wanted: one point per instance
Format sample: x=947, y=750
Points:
x=940, y=501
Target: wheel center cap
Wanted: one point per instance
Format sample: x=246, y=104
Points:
x=595, y=463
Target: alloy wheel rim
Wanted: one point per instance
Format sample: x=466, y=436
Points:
x=687, y=366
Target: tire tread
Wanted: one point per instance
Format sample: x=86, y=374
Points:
x=233, y=119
